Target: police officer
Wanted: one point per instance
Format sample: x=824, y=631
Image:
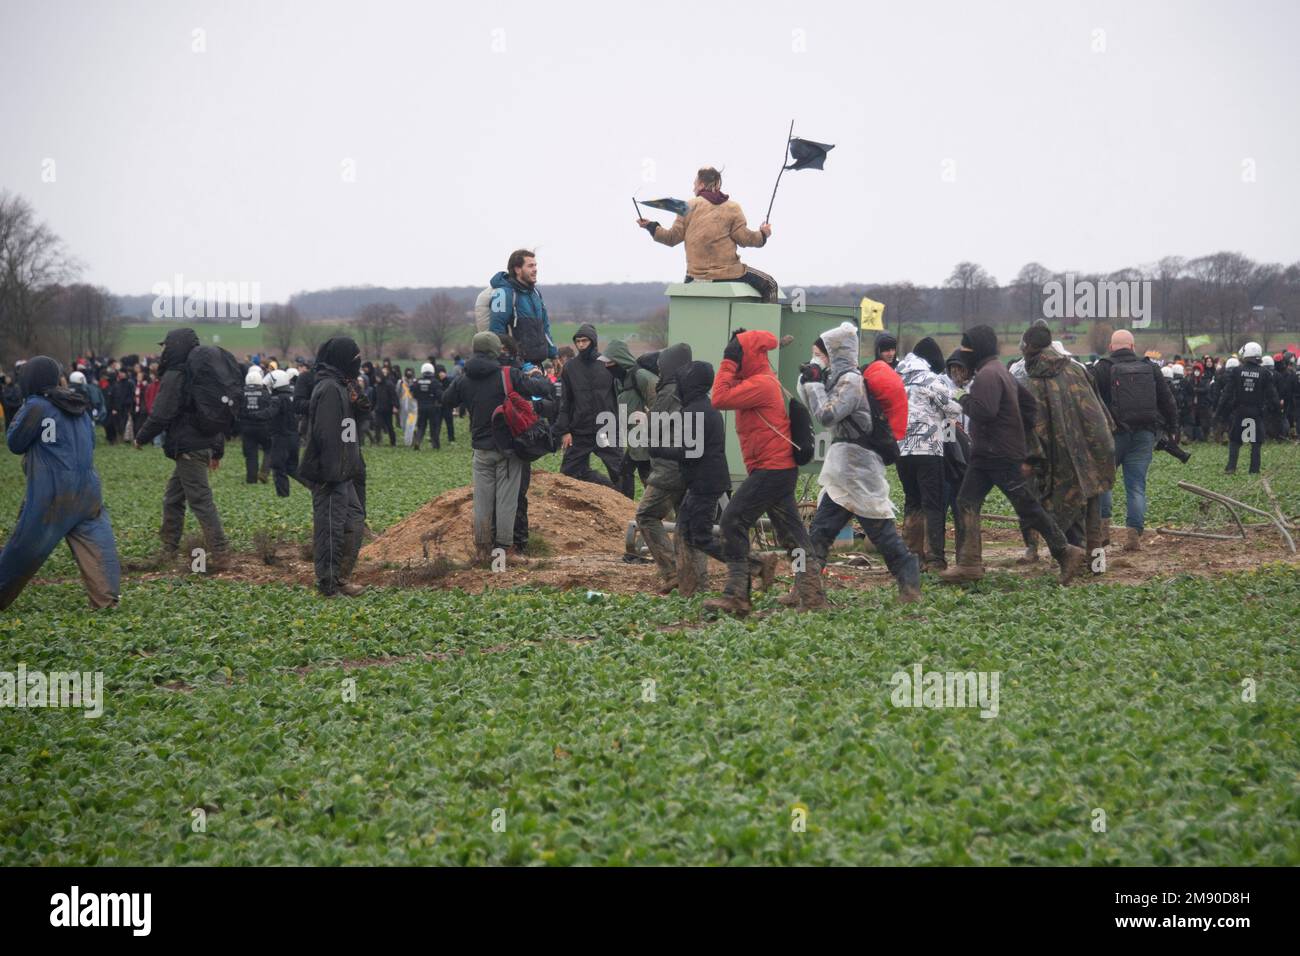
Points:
x=1249, y=395
x=253, y=428
x=428, y=401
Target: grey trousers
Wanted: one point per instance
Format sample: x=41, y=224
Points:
x=337, y=524
x=189, y=486
x=658, y=503
x=496, y=497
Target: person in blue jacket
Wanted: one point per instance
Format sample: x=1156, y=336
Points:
x=517, y=308
x=53, y=432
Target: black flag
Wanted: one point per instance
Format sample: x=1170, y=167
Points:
x=807, y=154
x=677, y=206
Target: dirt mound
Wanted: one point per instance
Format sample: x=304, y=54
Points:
x=571, y=518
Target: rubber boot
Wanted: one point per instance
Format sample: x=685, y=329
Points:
x=1105, y=532
x=1072, y=560
x=808, y=585
x=734, y=599
x=1133, y=541
x=766, y=571
x=934, y=560
x=914, y=533
x=1031, y=549
x=970, y=552
x=688, y=581
x=909, y=581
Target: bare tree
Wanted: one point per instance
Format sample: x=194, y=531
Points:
x=1166, y=275
x=600, y=309
x=32, y=262
x=654, y=330
x=433, y=322
x=282, y=324
x=1027, y=291
x=1223, y=280
x=971, y=281
x=377, y=323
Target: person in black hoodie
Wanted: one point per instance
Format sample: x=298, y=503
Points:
x=53, y=432
x=428, y=390
x=332, y=464
x=497, y=473
x=195, y=454
x=1001, y=411
x=385, y=406
x=448, y=413
x=706, y=478
x=587, y=391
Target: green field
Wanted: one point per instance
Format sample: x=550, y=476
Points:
x=534, y=708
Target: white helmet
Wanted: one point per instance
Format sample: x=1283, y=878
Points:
x=426, y=368
x=76, y=378
x=1232, y=362
x=1167, y=371
x=1268, y=361
x=292, y=372
x=279, y=379
x=1059, y=346
x=1179, y=371
x=254, y=376
x=1251, y=350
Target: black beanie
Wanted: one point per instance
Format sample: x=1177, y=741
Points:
x=885, y=341
x=38, y=375
x=342, y=353
x=981, y=342
x=1037, y=337
x=929, y=350
x=958, y=357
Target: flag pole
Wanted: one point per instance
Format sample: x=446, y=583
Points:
x=784, y=155
x=638, y=208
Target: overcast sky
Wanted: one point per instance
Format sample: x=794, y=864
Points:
x=475, y=128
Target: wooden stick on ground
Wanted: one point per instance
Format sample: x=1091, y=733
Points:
x=1277, y=508
x=1232, y=504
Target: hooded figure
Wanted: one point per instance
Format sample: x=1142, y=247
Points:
x=665, y=487
x=332, y=466
x=746, y=384
x=1070, y=447
x=53, y=432
x=932, y=418
x=586, y=397
x=852, y=476
x=634, y=388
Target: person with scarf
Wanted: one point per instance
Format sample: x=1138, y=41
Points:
x=853, y=475
x=53, y=432
x=712, y=227
x=1000, y=411
x=1071, y=447
x=332, y=465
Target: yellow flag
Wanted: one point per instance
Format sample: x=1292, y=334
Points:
x=873, y=314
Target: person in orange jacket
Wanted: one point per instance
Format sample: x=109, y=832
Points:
x=746, y=384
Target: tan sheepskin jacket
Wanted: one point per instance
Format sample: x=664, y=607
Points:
x=712, y=233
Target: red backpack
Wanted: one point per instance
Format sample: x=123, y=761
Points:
x=517, y=410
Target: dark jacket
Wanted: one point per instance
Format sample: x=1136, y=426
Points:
x=996, y=405
x=385, y=395
x=664, y=472
x=173, y=412
x=588, y=390
x=518, y=311
x=428, y=391
x=328, y=458
x=707, y=474
x=481, y=390
x=1166, y=406
x=1250, y=387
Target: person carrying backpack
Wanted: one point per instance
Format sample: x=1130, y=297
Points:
x=853, y=475
x=514, y=307
x=427, y=391
x=253, y=430
x=496, y=473
x=189, y=443
x=53, y=432
x=747, y=385
x=1142, y=406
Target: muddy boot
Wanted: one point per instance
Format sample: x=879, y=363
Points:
x=735, y=595
x=767, y=572
x=914, y=533
x=808, y=585
x=970, y=553
x=1031, y=549
x=687, y=577
x=909, y=581
x=791, y=597
x=218, y=561
x=263, y=474
x=1133, y=539
x=1072, y=560
x=934, y=560
x=161, y=558
x=1105, y=532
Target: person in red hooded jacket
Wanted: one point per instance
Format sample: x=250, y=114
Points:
x=746, y=384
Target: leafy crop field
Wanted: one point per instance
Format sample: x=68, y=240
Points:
x=258, y=724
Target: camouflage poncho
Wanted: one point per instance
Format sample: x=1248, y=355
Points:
x=1071, y=446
